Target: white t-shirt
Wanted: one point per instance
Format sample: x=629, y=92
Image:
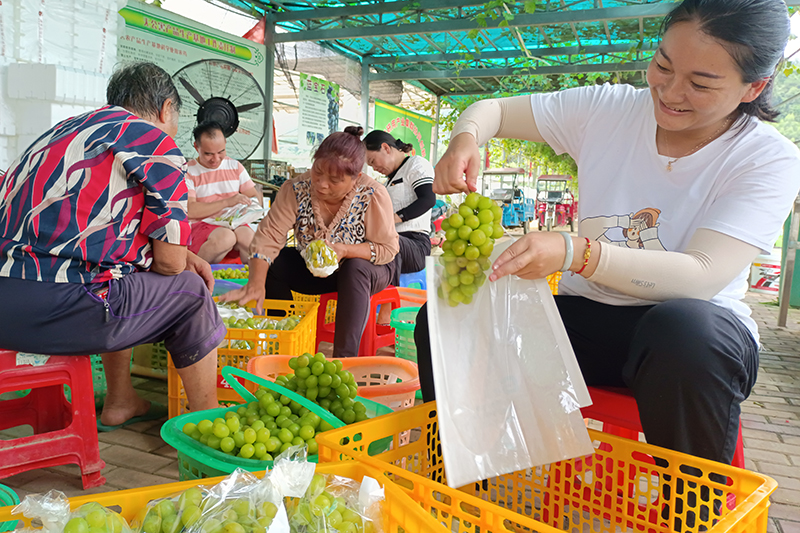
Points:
x=740, y=185
x=415, y=171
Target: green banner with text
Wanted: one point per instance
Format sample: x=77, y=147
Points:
x=408, y=126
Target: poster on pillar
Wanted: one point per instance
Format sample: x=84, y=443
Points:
x=319, y=111
x=214, y=64
x=411, y=128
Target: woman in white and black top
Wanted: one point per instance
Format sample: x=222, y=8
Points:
x=409, y=180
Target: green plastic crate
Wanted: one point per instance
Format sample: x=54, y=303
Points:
x=8, y=497
x=404, y=320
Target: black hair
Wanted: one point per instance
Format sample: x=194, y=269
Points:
x=358, y=131
x=376, y=138
x=142, y=88
x=755, y=34
x=208, y=127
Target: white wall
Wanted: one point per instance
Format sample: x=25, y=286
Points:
x=55, y=59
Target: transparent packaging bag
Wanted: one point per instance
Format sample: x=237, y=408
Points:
x=320, y=258
x=508, y=386
x=53, y=511
x=238, y=215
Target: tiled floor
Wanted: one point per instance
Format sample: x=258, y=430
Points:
x=136, y=456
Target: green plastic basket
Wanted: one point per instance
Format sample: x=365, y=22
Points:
x=404, y=319
x=8, y=497
x=198, y=461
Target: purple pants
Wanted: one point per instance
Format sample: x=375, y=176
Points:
x=145, y=307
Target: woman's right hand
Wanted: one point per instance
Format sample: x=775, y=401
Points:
x=249, y=293
x=462, y=157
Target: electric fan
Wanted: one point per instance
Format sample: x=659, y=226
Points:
x=213, y=89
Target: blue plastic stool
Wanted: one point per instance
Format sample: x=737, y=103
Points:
x=414, y=280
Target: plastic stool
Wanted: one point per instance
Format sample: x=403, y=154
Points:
x=414, y=280
x=64, y=432
x=374, y=336
x=616, y=408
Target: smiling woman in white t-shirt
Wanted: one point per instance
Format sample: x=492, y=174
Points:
x=682, y=185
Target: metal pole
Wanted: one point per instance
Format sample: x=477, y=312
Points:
x=435, y=148
x=269, y=84
x=365, y=94
x=788, y=269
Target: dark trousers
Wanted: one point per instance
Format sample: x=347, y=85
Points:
x=689, y=363
x=356, y=281
x=414, y=248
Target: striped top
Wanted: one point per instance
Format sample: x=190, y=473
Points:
x=211, y=185
x=82, y=203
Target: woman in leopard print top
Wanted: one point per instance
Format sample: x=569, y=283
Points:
x=334, y=201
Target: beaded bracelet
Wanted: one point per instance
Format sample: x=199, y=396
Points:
x=586, y=254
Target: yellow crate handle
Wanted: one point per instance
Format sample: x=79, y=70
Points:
x=228, y=371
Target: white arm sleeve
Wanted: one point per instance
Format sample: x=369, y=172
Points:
x=503, y=118
x=711, y=261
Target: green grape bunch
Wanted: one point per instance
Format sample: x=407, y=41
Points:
x=324, y=509
x=232, y=273
x=94, y=518
x=264, y=428
x=191, y=511
x=470, y=235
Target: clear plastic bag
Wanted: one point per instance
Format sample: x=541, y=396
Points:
x=52, y=510
x=508, y=386
x=334, y=504
x=238, y=215
x=320, y=258
x=171, y=515
x=241, y=502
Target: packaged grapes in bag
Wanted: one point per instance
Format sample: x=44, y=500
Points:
x=320, y=258
x=508, y=386
x=52, y=510
x=238, y=215
x=240, y=503
x=334, y=504
x=171, y=515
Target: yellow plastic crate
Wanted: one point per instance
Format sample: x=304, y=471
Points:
x=619, y=488
x=553, y=280
x=330, y=311
x=151, y=360
x=300, y=340
x=400, y=513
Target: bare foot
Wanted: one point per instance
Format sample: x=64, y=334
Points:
x=115, y=414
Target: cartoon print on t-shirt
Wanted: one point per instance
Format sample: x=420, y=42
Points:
x=636, y=230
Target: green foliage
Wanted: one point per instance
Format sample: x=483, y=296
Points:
x=786, y=97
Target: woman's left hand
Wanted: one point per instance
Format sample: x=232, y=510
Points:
x=534, y=256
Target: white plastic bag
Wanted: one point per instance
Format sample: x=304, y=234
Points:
x=508, y=386
x=238, y=215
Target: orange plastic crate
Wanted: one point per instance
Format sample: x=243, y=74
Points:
x=377, y=377
x=400, y=513
x=297, y=341
x=619, y=488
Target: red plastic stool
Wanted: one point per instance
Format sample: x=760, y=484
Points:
x=374, y=336
x=64, y=432
x=616, y=408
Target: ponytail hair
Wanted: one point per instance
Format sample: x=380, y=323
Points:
x=755, y=34
x=376, y=138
